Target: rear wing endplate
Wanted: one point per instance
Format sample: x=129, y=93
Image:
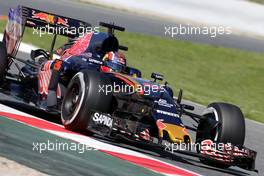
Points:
x=22, y=17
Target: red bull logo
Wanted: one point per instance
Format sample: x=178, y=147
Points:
x=63, y=22
x=43, y=16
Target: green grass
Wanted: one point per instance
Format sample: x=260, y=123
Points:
x=206, y=73
x=258, y=1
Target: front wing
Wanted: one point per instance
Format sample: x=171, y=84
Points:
x=230, y=155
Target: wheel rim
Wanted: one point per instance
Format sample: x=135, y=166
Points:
x=216, y=131
x=73, y=99
x=213, y=113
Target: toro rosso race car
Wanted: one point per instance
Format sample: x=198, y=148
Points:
x=91, y=87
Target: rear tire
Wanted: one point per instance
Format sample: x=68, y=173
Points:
x=231, y=128
x=82, y=98
x=3, y=61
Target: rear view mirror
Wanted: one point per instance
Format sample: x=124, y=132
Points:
x=157, y=76
x=133, y=72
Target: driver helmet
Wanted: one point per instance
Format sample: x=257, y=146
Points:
x=114, y=62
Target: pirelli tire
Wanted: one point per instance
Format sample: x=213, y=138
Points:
x=82, y=98
x=3, y=61
x=230, y=128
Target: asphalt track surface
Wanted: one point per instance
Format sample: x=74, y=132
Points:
x=58, y=162
x=134, y=23
x=254, y=135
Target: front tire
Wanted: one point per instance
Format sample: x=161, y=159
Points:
x=82, y=98
x=230, y=128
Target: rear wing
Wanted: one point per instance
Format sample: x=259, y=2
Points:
x=58, y=24
x=22, y=17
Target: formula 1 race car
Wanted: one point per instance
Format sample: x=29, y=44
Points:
x=90, y=86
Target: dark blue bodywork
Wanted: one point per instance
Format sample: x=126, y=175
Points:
x=165, y=106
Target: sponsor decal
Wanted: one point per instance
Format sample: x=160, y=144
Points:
x=49, y=18
x=62, y=21
x=103, y=119
x=95, y=61
x=43, y=16
x=163, y=102
x=167, y=113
